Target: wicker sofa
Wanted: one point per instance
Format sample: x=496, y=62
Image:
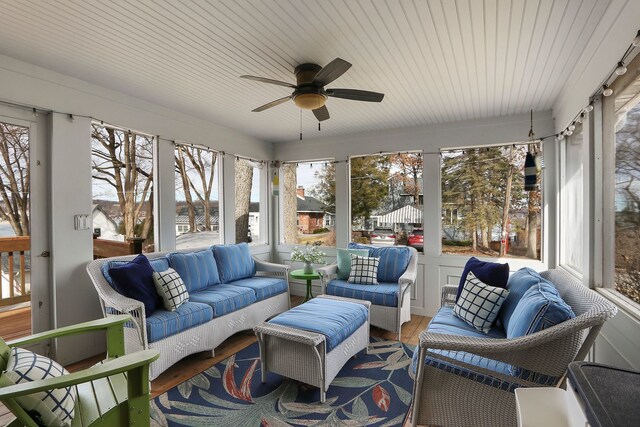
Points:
x=468, y=378
x=390, y=301
x=214, y=311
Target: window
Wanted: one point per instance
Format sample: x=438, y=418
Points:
x=248, y=192
x=485, y=208
x=308, y=203
x=386, y=198
x=571, y=201
x=122, y=183
x=197, y=197
x=625, y=125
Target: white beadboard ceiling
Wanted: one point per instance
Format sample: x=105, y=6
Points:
x=435, y=60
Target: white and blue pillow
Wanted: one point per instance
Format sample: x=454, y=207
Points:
x=364, y=270
x=171, y=288
x=53, y=408
x=479, y=303
x=393, y=260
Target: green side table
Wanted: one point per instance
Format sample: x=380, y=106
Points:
x=309, y=277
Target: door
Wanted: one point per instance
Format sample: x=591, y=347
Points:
x=24, y=231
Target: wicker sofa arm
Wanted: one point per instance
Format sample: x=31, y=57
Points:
x=411, y=273
x=448, y=296
x=270, y=267
x=326, y=274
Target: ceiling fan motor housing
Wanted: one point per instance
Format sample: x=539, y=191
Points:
x=307, y=95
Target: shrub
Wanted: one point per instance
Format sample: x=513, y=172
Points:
x=456, y=242
x=320, y=230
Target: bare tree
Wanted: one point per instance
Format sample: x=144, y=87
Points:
x=196, y=167
x=123, y=161
x=14, y=177
x=244, y=180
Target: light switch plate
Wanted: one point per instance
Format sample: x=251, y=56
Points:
x=81, y=222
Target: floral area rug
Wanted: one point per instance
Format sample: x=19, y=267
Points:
x=371, y=390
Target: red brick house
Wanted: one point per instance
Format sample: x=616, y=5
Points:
x=311, y=212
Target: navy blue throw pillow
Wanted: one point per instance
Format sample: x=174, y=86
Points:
x=135, y=280
x=491, y=273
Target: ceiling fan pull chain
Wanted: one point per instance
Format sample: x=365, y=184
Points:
x=319, y=127
x=300, y=124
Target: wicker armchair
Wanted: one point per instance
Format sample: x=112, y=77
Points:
x=388, y=318
x=455, y=393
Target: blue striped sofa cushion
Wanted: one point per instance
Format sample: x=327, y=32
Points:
x=336, y=320
x=393, y=260
x=197, y=270
x=224, y=298
x=234, y=262
x=164, y=323
x=381, y=294
x=264, y=287
x=158, y=264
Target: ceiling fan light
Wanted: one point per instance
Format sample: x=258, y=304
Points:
x=309, y=101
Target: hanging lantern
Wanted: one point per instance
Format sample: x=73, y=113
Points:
x=530, y=173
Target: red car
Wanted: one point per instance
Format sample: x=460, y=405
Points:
x=416, y=239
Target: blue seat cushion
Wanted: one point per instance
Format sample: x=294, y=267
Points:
x=134, y=279
x=393, y=260
x=336, y=320
x=444, y=322
x=234, y=262
x=164, y=323
x=381, y=294
x=197, y=270
x=263, y=287
x=224, y=298
x=518, y=284
x=492, y=273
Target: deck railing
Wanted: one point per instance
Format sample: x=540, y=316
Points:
x=111, y=248
x=14, y=286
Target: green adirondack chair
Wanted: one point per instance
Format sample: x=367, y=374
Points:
x=114, y=393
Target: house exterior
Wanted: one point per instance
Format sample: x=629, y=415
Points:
x=103, y=225
x=311, y=213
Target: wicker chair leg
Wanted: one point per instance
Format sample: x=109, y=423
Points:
x=417, y=386
x=323, y=396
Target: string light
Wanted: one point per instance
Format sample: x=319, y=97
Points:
x=606, y=90
x=572, y=127
x=589, y=108
x=636, y=41
x=621, y=69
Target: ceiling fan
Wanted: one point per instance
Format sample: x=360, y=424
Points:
x=310, y=94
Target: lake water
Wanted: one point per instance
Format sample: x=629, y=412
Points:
x=6, y=230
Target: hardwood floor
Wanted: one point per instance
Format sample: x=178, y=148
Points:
x=15, y=323
x=196, y=363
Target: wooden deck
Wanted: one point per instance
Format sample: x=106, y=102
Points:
x=196, y=363
x=15, y=323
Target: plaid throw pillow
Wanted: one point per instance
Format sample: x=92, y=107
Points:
x=364, y=270
x=479, y=303
x=49, y=408
x=171, y=288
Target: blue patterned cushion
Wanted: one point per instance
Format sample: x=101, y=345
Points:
x=158, y=264
x=539, y=308
x=381, y=294
x=343, y=259
x=336, y=320
x=224, y=298
x=164, y=323
x=518, y=284
x=49, y=408
x=479, y=303
x=234, y=262
x=393, y=261
x=134, y=279
x=263, y=287
x=198, y=270
x=491, y=273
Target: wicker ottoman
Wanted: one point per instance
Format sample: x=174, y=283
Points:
x=290, y=344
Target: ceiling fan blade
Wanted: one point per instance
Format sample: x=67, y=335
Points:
x=356, y=95
x=271, y=81
x=321, y=113
x=271, y=104
x=331, y=71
